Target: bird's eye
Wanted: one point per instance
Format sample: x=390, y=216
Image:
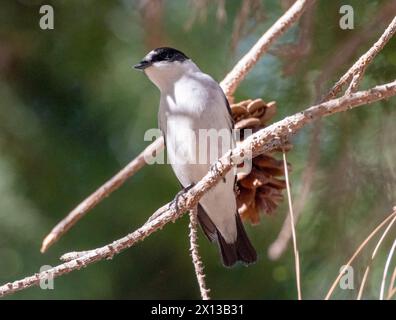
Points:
x=164, y=56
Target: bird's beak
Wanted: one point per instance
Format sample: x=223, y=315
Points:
x=142, y=65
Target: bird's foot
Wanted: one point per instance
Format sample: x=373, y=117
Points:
x=174, y=203
x=230, y=156
x=181, y=193
x=214, y=169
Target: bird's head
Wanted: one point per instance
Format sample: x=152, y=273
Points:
x=164, y=65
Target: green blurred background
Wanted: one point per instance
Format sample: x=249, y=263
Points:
x=73, y=112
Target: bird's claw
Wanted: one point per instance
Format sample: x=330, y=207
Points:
x=181, y=193
x=214, y=169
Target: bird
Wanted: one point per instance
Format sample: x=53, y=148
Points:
x=192, y=102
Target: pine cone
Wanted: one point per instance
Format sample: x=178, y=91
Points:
x=261, y=189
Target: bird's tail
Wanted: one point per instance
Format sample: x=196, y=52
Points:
x=241, y=250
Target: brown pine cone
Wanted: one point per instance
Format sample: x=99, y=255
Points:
x=261, y=189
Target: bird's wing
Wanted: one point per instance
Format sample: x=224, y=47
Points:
x=228, y=109
x=232, y=123
x=162, y=123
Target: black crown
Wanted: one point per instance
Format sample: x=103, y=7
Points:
x=168, y=54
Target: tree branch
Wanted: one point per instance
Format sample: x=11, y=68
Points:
x=278, y=247
x=104, y=191
x=392, y=287
x=366, y=272
x=229, y=86
x=196, y=259
x=357, y=252
x=264, y=140
x=292, y=226
x=388, y=260
x=355, y=73
x=241, y=69
x=280, y=244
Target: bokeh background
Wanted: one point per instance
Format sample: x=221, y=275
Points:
x=73, y=112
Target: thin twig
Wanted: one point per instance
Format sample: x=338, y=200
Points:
x=360, y=293
x=353, y=86
x=361, y=289
x=351, y=45
x=264, y=140
x=235, y=77
x=229, y=85
x=196, y=259
x=292, y=226
x=278, y=247
x=392, y=293
x=356, y=253
x=360, y=65
x=104, y=191
x=392, y=285
x=388, y=260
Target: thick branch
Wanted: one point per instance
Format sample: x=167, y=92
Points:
x=228, y=84
x=264, y=140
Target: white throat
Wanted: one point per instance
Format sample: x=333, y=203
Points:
x=165, y=74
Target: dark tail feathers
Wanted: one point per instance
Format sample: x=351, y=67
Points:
x=241, y=250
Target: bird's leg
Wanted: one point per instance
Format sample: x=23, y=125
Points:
x=230, y=157
x=181, y=193
x=214, y=169
x=174, y=202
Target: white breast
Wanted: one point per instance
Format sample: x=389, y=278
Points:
x=192, y=111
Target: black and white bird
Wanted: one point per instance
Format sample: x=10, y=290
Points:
x=192, y=102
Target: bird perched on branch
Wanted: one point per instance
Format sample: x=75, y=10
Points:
x=193, y=109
